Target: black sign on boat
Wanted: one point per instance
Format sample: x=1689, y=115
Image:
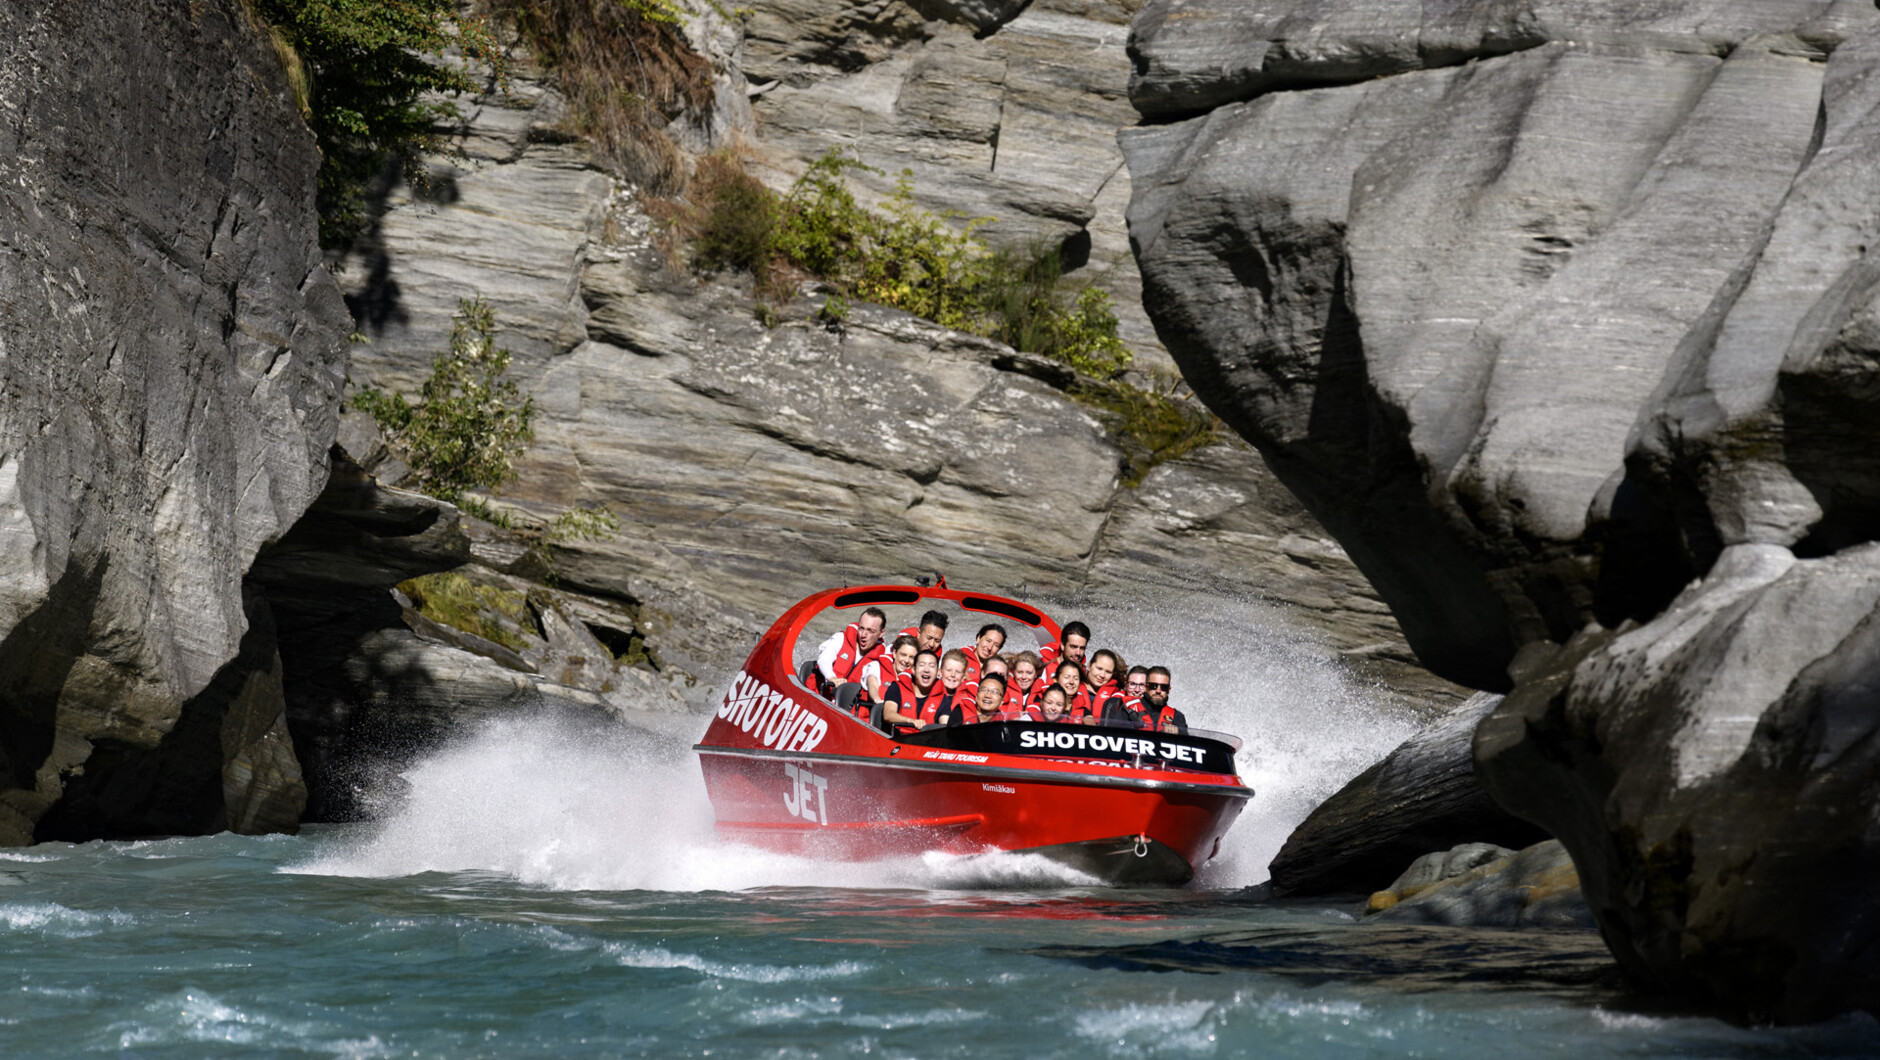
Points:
x=1135, y=746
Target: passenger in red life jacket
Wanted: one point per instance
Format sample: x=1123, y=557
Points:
x=959, y=690
x=1052, y=704
x=1098, y=688
x=1025, y=669
x=842, y=657
x=930, y=632
x=986, y=704
x=990, y=639
x=1073, y=639
x=1069, y=678
x=916, y=697
x=1155, y=702
x=1132, y=713
x=879, y=675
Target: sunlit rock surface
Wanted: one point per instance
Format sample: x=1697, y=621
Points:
x=1545, y=312
x=749, y=465
x=171, y=354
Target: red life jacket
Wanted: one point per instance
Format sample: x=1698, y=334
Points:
x=925, y=709
x=888, y=677
x=1090, y=704
x=1167, y=715
x=1049, y=653
x=1016, y=696
x=850, y=660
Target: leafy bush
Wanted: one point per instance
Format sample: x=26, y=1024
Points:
x=370, y=73
x=900, y=256
x=739, y=230
x=470, y=422
x=1151, y=425
x=1029, y=308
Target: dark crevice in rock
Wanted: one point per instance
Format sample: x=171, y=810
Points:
x=181, y=786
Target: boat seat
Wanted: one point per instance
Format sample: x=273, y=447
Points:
x=846, y=695
x=806, y=673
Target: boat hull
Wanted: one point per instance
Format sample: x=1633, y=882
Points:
x=1119, y=825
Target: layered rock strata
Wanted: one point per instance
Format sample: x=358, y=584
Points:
x=1548, y=312
x=747, y=463
x=171, y=354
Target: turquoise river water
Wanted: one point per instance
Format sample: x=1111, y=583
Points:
x=534, y=891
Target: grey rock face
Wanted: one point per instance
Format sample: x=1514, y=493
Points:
x=171, y=352
x=1541, y=338
x=1423, y=796
x=747, y=464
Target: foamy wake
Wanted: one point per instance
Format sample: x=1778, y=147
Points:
x=572, y=809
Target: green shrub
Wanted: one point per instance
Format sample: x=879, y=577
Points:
x=900, y=256
x=370, y=74
x=450, y=599
x=739, y=229
x=1150, y=425
x=470, y=423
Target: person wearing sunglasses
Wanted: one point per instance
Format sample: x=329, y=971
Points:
x=1155, y=702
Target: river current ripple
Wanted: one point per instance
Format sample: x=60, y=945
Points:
x=228, y=946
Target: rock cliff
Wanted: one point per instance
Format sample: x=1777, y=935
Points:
x=1560, y=317
x=747, y=462
x=171, y=356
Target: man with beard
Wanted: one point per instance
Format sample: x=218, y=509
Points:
x=1155, y=702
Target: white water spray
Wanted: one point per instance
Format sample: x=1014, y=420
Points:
x=558, y=805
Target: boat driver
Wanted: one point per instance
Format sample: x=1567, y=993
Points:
x=1155, y=702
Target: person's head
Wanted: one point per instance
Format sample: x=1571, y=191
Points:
x=995, y=665
x=868, y=628
x=905, y=650
x=1025, y=667
x=990, y=639
x=1102, y=668
x=1132, y=685
x=1155, y=692
x=933, y=630
x=1051, y=703
x=926, y=668
x=1070, y=677
x=991, y=698
x=1076, y=637
x=953, y=669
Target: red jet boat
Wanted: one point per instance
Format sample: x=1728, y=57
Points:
x=790, y=771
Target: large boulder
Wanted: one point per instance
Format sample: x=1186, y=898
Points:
x=1422, y=796
x=171, y=354
x=1547, y=311
x=1715, y=773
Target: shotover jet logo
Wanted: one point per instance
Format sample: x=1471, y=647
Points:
x=770, y=716
x=805, y=797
